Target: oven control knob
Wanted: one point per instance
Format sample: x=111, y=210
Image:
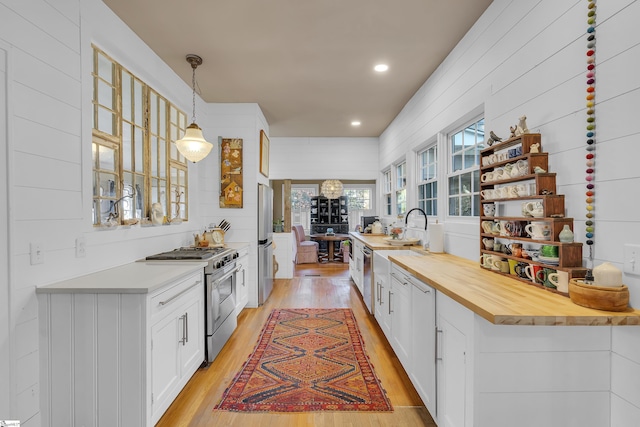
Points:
x=235, y=255
x=218, y=264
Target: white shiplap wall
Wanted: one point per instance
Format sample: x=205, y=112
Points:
x=50, y=166
x=530, y=58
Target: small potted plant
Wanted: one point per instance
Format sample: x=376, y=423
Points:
x=396, y=232
x=345, y=246
x=278, y=226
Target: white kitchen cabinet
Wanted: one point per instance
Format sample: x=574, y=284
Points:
x=284, y=247
x=117, y=346
x=454, y=363
x=177, y=341
x=357, y=273
x=242, y=284
x=423, y=362
x=382, y=309
x=400, y=305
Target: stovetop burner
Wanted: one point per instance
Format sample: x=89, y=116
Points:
x=191, y=252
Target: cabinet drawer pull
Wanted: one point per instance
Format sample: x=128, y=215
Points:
x=183, y=318
x=438, y=331
x=390, y=293
x=179, y=293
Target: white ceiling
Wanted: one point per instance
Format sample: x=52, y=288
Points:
x=308, y=64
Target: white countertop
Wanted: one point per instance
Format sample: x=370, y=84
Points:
x=134, y=278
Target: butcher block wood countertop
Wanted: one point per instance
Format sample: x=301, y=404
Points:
x=505, y=301
x=377, y=241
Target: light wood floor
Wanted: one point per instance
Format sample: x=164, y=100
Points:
x=314, y=286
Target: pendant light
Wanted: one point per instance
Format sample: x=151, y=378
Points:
x=331, y=189
x=193, y=146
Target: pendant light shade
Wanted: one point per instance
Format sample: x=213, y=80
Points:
x=193, y=146
x=331, y=189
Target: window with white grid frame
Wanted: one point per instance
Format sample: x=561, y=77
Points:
x=401, y=188
x=359, y=202
x=301, y=195
x=428, y=180
x=386, y=180
x=464, y=169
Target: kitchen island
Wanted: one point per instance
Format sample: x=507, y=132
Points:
x=486, y=350
x=117, y=346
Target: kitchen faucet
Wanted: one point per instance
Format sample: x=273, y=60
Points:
x=406, y=221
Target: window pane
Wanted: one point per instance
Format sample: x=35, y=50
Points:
x=457, y=162
x=126, y=146
x=456, y=142
x=139, y=143
x=126, y=97
x=107, y=158
x=137, y=102
x=154, y=156
x=465, y=180
x=105, y=94
x=453, y=206
x=465, y=205
x=454, y=185
x=105, y=121
x=105, y=68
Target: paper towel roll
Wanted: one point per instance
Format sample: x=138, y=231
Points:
x=436, y=238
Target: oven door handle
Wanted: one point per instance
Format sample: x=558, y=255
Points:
x=226, y=276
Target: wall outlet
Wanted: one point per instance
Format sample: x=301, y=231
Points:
x=631, y=259
x=81, y=247
x=36, y=253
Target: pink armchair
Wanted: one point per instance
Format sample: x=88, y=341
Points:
x=306, y=250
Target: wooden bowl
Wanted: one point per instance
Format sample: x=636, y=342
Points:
x=599, y=297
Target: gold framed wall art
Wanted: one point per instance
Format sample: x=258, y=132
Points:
x=231, y=179
x=264, y=153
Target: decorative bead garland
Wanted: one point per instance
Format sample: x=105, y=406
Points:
x=591, y=126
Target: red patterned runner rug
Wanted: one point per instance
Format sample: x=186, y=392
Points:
x=307, y=360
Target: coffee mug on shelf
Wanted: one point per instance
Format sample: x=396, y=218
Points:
x=516, y=249
x=488, y=243
x=488, y=194
x=560, y=279
x=538, y=230
x=522, y=190
x=489, y=209
x=542, y=277
x=521, y=270
x=497, y=246
x=501, y=264
x=487, y=226
x=532, y=273
x=486, y=260
x=512, y=266
x=486, y=177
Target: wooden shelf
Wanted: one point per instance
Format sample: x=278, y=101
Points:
x=526, y=140
x=569, y=254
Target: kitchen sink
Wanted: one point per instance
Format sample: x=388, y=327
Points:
x=381, y=263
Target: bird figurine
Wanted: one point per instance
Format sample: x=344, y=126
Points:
x=493, y=138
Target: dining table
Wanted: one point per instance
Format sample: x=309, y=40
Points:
x=330, y=239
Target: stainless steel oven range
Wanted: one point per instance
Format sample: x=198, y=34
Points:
x=219, y=292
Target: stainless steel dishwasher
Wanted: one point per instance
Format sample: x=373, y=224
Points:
x=367, y=284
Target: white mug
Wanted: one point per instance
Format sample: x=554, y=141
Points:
x=538, y=230
x=488, y=243
x=486, y=260
x=487, y=226
x=561, y=280
x=489, y=209
x=488, y=194
x=486, y=177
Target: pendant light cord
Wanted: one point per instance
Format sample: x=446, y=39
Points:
x=193, y=85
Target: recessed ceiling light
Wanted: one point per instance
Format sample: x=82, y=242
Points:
x=355, y=123
x=381, y=68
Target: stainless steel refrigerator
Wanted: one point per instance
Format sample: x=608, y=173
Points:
x=265, y=243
